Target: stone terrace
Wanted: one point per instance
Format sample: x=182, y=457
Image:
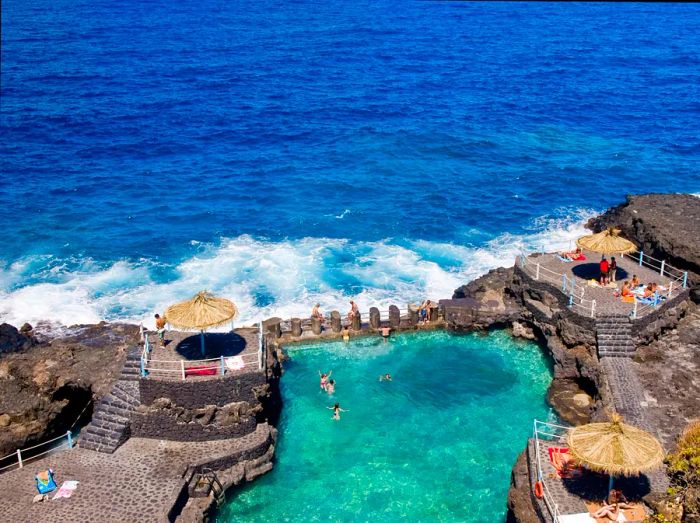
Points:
x=186, y=346
x=584, y=271
x=141, y=481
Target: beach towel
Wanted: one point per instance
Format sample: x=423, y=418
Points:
x=583, y=517
x=201, y=370
x=563, y=462
x=45, y=482
x=235, y=363
x=565, y=260
x=66, y=490
x=628, y=299
x=636, y=514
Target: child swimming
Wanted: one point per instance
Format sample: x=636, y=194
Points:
x=330, y=387
x=336, y=411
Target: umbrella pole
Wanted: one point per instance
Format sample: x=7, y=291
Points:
x=201, y=339
x=610, y=484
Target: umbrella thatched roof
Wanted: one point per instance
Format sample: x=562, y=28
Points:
x=202, y=312
x=606, y=242
x=615, y=448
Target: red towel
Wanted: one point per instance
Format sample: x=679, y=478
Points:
x=201, y=370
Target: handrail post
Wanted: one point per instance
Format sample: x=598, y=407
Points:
x=223, y=367
x=537, y=272
x=593, y=309
x=182, y=368
x=571, y=299
x=663, y=264
x=634, y=310
x=19, y=458
x=670, y=288
x=641, y=257
x=685, y=279
x=143, y=367
x=563, y=282
x=70, y=439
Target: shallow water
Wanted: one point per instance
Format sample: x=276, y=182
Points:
x=435, y=444
x=284, y=152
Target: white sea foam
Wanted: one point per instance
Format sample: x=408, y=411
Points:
x=266, y=278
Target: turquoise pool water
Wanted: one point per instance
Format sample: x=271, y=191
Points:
x=435, y=444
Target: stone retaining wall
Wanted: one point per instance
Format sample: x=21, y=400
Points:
x=666, y=316
x=159, y=425
x=196, y=393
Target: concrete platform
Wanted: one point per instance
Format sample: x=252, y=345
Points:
x=584, y=271
x=141, y=481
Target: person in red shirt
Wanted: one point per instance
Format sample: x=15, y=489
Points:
x=604, y=268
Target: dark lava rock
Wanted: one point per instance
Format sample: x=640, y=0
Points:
x=12, y=340
x=572, y=403
x=520, y=505
x=665, y=226
x=44, y=386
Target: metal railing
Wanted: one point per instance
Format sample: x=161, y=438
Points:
x=569, y=287
x=184, y=368
x=17, y=460
x=678, y=281
x=547, y=432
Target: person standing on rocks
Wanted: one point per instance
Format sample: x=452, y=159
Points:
x=160, y=329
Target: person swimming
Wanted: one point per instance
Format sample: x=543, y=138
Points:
x=330, y=387
x=385, y=377
x=386, y=331
x=346, y=334
x=324, y=379
x=336, y=411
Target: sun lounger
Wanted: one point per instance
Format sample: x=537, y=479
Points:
x=636, y=514
x=563, y=462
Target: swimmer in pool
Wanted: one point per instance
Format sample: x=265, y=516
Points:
x=324, y=379
x=330, y=387
x=386, y=331
x=336, y=411
x=385, y=377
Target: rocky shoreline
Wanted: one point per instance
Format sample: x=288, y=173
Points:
x=46, y=383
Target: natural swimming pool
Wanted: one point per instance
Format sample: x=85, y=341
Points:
x=437, y=443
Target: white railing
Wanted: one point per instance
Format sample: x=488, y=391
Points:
x=569, y=287
x=16, y=459
x=184, y=368
x=664, y=269
x=548, y=432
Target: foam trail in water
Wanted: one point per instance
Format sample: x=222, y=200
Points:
x=265, y=278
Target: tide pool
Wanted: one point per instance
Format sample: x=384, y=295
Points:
x=437, y=443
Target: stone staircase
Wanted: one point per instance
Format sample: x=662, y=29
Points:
x=614, y=336
x=111, y=425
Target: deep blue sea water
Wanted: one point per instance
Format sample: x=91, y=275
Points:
x=281, y=153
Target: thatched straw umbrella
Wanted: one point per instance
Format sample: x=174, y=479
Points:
x=202, y=312
x=606, y=242
x=614, y=448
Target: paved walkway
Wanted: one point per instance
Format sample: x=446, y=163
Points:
x=139, y=482
x=584, y=271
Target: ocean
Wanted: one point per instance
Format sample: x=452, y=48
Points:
x=283, y=153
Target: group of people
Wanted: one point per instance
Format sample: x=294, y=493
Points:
x=634, y=287
x=328, y=385
x=608, y=270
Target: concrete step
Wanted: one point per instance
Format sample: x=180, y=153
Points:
x=616, y=355
x=112, y=418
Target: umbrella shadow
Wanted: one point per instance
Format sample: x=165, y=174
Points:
x=593, y=486
x=589, y=271
x=215, y=344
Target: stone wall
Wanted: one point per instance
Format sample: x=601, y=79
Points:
x=650, y=327
x=196, y=393
x=162, y=425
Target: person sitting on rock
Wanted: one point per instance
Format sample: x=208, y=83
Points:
x=316, y=313
x=354, y=310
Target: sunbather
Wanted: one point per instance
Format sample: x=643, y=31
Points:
x=635, y=282
x=574, y=255
x=626, y=291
